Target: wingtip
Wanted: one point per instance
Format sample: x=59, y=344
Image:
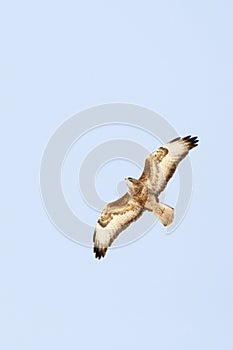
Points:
x=99, y=252
x=191, y=141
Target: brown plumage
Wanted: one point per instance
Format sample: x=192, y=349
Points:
x=142, y=194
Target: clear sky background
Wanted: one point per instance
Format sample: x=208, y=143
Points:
x=162, y=292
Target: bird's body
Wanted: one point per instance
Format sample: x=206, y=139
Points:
x=143, y=194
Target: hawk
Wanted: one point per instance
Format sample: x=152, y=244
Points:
x=143, y=194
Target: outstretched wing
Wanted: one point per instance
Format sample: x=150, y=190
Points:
x=161, y=164
x=115, y=217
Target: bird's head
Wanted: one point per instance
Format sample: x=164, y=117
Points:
x=132, y=184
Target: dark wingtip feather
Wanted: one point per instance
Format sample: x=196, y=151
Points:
x=190, y=141
x=99, y=252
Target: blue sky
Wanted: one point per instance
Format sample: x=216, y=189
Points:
x=165, y=292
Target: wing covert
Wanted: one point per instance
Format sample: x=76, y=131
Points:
x=161, y=164
x=115, y=217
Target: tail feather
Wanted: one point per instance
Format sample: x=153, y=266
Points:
x=164, y=213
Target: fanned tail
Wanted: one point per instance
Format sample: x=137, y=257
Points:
x=164, y=213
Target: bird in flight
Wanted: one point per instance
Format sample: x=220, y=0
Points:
x=143, y=194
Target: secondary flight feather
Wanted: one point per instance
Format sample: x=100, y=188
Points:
x=143, y=194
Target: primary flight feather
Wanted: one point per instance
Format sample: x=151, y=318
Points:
x=142, y=194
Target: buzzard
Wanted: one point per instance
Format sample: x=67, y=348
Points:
x=143, y=194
